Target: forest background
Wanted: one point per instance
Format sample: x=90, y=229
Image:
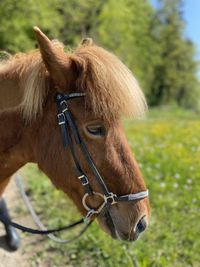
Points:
x=151, y=41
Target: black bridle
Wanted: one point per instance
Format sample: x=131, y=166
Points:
x=71, y=138
x=69, y=130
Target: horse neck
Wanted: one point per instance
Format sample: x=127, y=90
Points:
x=11, y=126
x=15, y=134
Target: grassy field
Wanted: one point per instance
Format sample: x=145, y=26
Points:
x=167, y=146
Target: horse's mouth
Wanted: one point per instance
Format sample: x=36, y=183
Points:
x=108, y=224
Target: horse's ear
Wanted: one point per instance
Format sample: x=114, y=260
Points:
x=58, y=64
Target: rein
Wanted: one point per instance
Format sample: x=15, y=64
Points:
x=71, y=138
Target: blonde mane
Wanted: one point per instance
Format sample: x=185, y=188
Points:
x=30, y=72
x=111, y=89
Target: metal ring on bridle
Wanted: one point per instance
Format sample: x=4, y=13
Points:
x=89, y=208
x=110, y=199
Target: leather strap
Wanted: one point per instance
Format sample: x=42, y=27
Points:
x=7, y=221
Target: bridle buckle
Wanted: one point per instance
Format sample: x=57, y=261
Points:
x=83, y=179
x=64, y=106
x=111, y=198
x=61, y=119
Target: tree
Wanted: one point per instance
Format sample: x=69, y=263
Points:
x=66, y=20
x=17, y=18
x=175, y=77
x=124, y=27
x=79, y=18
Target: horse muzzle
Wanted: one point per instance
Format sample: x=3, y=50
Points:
x=121, y=227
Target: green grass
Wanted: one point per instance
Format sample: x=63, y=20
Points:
x=167, y=146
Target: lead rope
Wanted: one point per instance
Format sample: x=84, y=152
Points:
x=36, y=219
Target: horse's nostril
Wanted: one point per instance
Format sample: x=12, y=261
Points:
x=141, y=226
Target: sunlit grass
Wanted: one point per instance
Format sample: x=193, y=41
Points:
x=168, y=150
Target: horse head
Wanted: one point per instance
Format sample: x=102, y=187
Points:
x=111, y=92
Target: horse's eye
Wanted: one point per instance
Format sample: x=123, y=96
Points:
x=96, y=130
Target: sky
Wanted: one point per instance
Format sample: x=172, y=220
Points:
x=192, y=19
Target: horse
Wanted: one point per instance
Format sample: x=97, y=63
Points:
x=106, y=92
